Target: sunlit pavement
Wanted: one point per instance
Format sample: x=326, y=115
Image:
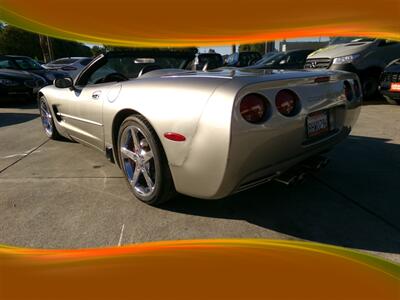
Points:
x=65, y=195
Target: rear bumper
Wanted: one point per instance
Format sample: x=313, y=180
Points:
x=270, y=172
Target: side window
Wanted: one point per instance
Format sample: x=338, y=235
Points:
x=100, y=74
x=5, y=64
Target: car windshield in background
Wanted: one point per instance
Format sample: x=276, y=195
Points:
x=27, y=64
x=346, y=40
x=131, y=66
x=270, y=59
x=63, y=61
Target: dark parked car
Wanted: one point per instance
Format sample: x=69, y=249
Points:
x=206, y=61
x=242, y=59
x=15, y=83
x=25, y=63
x=390, y=82
x=293, y=59
x=70, y=65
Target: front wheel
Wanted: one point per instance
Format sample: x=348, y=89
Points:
x=47, y=119
x=370, y=85
x=143, y=161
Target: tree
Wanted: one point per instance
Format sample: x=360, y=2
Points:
x=63, y=48
x=260, y=48
x=97, y=50
x=20, y=42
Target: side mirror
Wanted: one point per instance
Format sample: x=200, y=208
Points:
x=282, y=62
x=63, y=83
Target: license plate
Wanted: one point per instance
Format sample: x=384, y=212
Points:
x=317, y=124
x=395, y=87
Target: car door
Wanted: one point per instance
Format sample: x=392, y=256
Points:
x=85, y=114
x=82, y=111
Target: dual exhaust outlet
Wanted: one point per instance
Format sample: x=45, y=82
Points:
x=298, y=175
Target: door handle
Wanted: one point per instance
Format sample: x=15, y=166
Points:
x=96, y=95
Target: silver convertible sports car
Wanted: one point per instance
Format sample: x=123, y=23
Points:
x=203, y=134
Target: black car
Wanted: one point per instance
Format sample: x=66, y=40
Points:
x=242, y=59
x=23, y=84
x=390, y=82
x=25, y=63
x=206, y=61
x=293, y=59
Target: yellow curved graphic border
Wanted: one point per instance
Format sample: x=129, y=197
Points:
x=198, y=269
x=208, y=22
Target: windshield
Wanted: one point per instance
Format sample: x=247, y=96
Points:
x=130, y=65
x=345, y=40
x=212, y=60
x=26, y=63
x=269, y=58
x=272, y=59
x=63, y=61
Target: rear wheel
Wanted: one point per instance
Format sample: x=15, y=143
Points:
x=143, y=161
x=47, y=119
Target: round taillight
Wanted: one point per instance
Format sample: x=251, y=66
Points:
x=348, y=92
x=357, y=90
x=287, y=103
x=253, y=108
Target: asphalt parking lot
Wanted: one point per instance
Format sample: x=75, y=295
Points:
x=65, y=195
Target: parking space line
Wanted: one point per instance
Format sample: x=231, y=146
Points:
x=120, y=236
x=22, y=157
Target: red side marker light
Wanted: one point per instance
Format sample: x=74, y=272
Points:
x=173, y=136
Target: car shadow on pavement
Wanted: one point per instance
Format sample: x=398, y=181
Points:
x=7, y=119
x=353, y=202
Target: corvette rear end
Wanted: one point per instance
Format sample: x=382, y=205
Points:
x=277, y=120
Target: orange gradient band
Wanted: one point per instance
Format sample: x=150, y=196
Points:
x=198, y=269
x=200, y=23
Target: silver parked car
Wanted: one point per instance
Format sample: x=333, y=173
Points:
x=367, y=57
x=71, y=65
x=203, y=134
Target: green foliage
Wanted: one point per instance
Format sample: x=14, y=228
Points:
x=63, y=48
x=97, y=50
x=20, y=42
x=260, y=48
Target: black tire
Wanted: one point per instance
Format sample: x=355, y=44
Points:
x=164, y=188
x=49, y=128
x=370, y=84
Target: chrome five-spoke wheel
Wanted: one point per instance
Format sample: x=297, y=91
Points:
x=45, y=115
x=143, y=161
x=138, y=160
